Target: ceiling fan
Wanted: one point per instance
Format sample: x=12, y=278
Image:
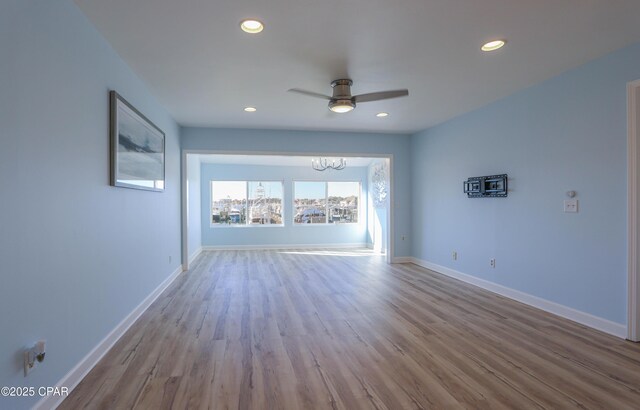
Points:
x=342, y=101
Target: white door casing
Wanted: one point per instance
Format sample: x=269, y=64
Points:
x=633, y=315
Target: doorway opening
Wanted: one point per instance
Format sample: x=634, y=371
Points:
x=240, y=200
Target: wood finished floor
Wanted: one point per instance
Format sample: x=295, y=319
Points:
x=342, y=329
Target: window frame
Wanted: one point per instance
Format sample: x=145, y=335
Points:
x=246, y=198
x=326, y=205
x=358, y=208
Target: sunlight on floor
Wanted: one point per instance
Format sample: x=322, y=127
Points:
x=333, y=252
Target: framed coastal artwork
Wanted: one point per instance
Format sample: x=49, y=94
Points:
x=137, y=148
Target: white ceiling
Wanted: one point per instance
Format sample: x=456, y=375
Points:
x=273, y=160
x=205, y=70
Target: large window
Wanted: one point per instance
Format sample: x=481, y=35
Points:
x=343, y=200
x=246, y=203
x=265, y=203
x=326, y=202
x=310, y=202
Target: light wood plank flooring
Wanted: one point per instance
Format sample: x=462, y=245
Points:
x=343, y=330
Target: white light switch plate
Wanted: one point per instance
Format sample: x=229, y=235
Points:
x=571, y=205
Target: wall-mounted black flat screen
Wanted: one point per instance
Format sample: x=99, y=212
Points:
x=486, y=187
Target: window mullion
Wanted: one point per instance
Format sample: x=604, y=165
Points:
x=326, y=202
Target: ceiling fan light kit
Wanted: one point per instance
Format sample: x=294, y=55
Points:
x=341, y=106
x=342, y=101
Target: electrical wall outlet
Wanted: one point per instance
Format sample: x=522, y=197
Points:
x=492, y=262
x=454, y=256
x=29, y=362
x=33, y=356
x=403, y=237
x=571, y=205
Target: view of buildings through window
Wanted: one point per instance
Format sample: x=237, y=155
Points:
x=246, y=203
x=310, y=202
x=326, y=202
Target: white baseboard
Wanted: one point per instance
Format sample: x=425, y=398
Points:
x=286, y=247
x=195, y=254
x=587, y=319
x=403, y=259
x=75, y=375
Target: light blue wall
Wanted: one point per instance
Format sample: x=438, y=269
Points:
x=377, y=237
x=273, y=141
x=194, y=210
x=377, y=222
x=568, y=133
x=77, y=255
x=287, y=234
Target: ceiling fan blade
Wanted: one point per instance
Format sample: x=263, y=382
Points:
x=309, y=93
x=380, y=95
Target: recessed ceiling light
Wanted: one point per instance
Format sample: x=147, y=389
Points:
x=250, y=109
x=382, y=114
x=251, y=26
x=493, y=45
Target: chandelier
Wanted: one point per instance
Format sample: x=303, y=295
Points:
x=322, y=164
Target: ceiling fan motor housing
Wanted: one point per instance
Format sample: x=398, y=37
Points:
x=342, y=89
x=342, y=101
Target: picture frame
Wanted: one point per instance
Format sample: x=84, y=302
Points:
x=137, y=148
